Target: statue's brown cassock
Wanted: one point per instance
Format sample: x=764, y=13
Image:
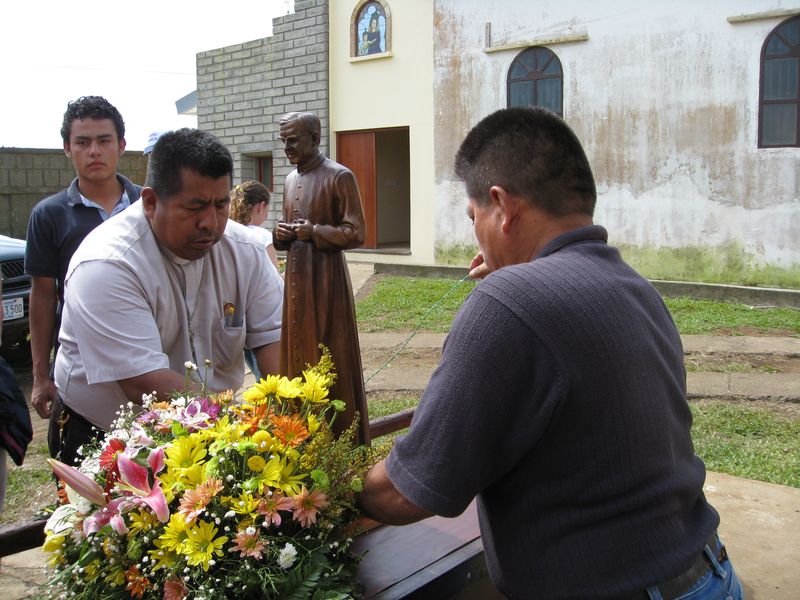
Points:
x=318, y=302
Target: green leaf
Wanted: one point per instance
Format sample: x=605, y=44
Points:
x=321, y=479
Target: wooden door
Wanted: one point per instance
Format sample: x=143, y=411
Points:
x=356, y=151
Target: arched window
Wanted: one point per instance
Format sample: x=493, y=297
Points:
x=535, y=79
x=371, y=29
x=779, y=97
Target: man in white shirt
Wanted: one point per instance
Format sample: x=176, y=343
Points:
x=169, y=281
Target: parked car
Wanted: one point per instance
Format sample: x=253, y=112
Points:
x=16, y=347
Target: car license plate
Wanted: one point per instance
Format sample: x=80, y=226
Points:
x=13, y=309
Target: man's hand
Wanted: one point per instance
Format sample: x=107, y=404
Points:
x=43, y=392
x=478, y=269
x=285, y=232
x=304, y=230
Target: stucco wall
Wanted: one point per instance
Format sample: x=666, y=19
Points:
x=664, y=97
x=392, y=91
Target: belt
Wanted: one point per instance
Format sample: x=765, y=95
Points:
x=675, y=587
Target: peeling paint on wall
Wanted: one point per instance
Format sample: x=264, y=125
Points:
x=665, y=100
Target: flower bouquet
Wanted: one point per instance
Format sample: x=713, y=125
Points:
x=211, y=497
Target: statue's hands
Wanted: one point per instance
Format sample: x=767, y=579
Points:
x=304, y=230
x=285, y=232
x=478, y=269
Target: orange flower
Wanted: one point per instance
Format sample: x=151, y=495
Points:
x=289, y=429
x=194, y=501
x=307, y=505
x=269, y=506
x=174, y=590
x=61, y=493
x=138, y=584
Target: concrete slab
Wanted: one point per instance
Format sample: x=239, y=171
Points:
x=760, y=526
x=710, y=344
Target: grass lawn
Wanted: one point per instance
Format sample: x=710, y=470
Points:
x=754, y=440
x=405, y=303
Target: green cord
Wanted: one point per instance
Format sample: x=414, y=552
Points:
x=419, y=324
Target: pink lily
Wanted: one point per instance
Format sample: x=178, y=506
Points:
x=105, y=515
x=83, y=485
x=134, y=478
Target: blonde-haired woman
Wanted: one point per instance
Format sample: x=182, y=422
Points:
x=249, y=206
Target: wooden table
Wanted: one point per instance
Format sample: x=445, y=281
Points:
x=436, y=558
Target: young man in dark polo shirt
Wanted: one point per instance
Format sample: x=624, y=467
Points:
x=94, y=138
x=560, y=398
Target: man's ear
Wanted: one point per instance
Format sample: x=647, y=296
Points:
x=66, y=150
x=507, y=203
x=122, y=144
x=149, y=201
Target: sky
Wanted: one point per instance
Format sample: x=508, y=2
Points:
x=140, y=56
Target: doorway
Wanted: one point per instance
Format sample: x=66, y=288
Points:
x=380, y=160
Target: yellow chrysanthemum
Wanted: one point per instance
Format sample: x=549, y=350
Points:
x=93, y=569
x=262, y=389
x=162, y=557
x=170, y=483
x=263, y=440
x=142, y=521
x=222, y=429
x=313, y=423
x=193, y=476
x=54, y=545
x=175, y=534
x=202, y=546
x=256, y=463
x=315, y=387
x=288, y=388
x=185, y=452
x=291, y=482
x=244, y=504
x=53, y=542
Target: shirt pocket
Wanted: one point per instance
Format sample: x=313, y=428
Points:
x=228, y=344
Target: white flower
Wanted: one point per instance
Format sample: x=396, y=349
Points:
x=120, y=434
x=287, y=556
x=190, y=366
x=250, y=530
x=230, y=514
x=91, y=465
x=84, y=506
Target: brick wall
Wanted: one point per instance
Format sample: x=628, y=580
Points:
x=242, y=91
x=28, y=175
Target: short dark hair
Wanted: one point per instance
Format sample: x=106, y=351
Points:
x=193, y=149
x=91, y=107
x=529, y=152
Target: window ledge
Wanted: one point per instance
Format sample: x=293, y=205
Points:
x=543, y=41
x=387, y=54
x=767, y=14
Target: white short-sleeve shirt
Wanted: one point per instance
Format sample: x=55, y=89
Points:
x=129, y=305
